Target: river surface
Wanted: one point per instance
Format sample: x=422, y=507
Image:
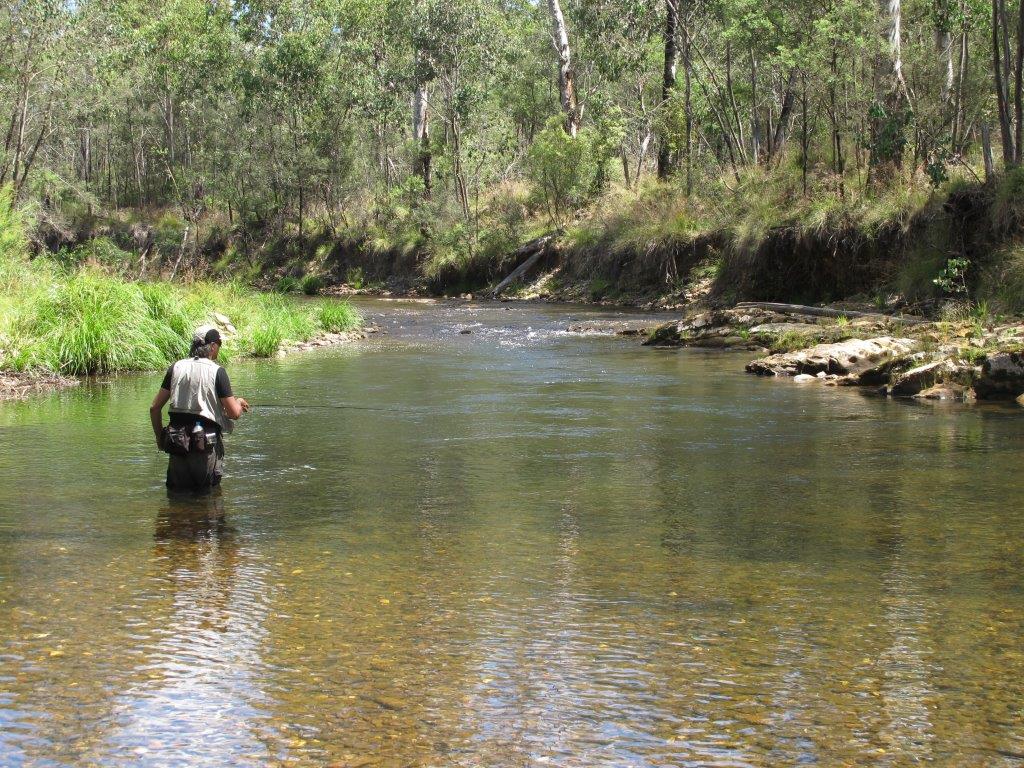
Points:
x=520, y=547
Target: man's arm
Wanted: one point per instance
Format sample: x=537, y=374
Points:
x=234, y=407
x=156, y=412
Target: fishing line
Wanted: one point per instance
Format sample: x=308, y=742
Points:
x=339, y=406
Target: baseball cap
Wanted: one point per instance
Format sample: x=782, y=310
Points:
x=205, y=334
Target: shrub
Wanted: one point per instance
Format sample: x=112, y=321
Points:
x=354, y=277
x=264, y=341
x=1008, y=206
x=562, y=168
x=13, y=225
x=287, y=284
x=313, y=284
x=92, y=324
x=99, y=251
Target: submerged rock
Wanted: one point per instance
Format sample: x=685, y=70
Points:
x=947, y=391
x=865, y=359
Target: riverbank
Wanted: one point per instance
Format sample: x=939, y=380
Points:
x=964, y=357
x=908, y=247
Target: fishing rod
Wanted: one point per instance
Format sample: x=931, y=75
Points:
x=336, y=406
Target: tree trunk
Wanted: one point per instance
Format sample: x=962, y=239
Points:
x=566, y=75
x=1000, y=71
x=668, y=81
x=740, y=140
x=1018, y=89
x=944, y=44
x=958, y=97
x=944, y=49
x=421, y=136
x=688, y=107
x=785, y=115
x=755, y=126
x=986, y=152
x=891, y=94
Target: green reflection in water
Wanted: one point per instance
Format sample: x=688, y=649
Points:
x=562, y=550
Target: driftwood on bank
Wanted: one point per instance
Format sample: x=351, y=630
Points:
x=800, y=309
x=533, y=251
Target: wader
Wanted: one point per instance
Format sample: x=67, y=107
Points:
x=197, y=471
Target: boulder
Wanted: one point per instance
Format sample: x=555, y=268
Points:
x=695, y=330
x=863, y=358
x=667, y=335
x=805, y=378
x=909, y=383
x=1002, y=376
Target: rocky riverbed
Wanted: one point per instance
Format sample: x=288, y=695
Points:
x=965, y=359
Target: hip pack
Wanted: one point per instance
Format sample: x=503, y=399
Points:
x=176, y=441
x=181, y=441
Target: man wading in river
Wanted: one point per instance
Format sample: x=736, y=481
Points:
x=202, y=409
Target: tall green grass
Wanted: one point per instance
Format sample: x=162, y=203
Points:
x=86, y=321
x=91, y=323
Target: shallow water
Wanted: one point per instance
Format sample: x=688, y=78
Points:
x=545, y=549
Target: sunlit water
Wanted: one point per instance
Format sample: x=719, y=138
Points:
x=543, y=549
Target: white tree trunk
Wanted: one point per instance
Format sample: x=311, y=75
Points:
x=421, y=135
x=892, y=33
x=566, y=76
x=944, y=46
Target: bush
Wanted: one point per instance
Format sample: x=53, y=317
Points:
x=355, y=277
x=92, y=324
x=287, y=284
x=562, y=168
x=99, y=251
x=313, y=284
x=88, y=322
x=264, y=341
x=13, y=226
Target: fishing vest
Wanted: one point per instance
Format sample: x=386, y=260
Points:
x=194, y=390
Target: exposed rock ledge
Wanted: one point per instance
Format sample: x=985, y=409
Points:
x=964, y=360
x=860, y=361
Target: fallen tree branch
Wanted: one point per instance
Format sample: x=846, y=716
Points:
x=800, y=309
x=533, y=250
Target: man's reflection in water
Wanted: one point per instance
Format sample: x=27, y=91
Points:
x=198, y=687
x=192, y=518
x=199, y=551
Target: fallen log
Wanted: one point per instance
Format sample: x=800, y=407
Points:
x=800, y=309
x=533, y=250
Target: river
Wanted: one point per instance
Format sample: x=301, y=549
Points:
x=518, y=547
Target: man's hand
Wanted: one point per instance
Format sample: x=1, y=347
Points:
x=234, y=407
